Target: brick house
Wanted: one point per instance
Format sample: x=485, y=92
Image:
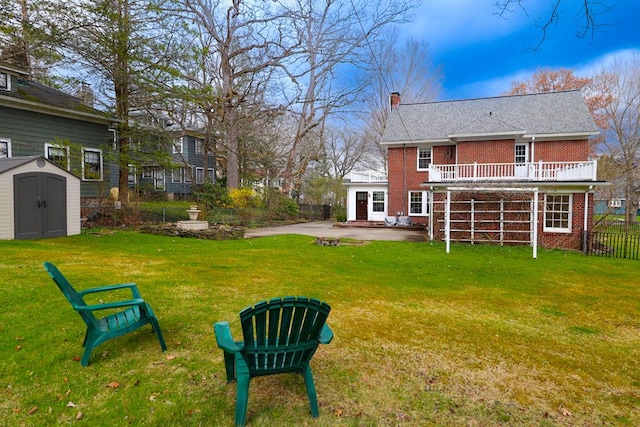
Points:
x=508, y=170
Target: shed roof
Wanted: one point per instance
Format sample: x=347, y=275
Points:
x=8, y=163
x=556, y=113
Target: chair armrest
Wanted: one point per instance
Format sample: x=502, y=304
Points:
x=107, y=305
x=134, y=289
x=224, y=339
x=326, y=334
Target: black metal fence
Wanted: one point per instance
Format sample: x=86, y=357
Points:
x=615, y=241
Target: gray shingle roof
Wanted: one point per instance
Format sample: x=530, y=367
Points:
x=8, y=163
x=539, y=114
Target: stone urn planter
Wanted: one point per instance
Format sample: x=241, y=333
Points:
x=193, y=213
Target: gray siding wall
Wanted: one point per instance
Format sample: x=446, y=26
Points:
x=30, y=131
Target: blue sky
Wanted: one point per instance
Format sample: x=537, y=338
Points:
x=480, y=54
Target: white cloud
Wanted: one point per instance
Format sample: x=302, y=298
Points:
x=500, y=84
x=604, y=61
x=460, y=22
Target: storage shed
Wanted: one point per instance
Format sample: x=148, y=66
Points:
x=37, y=199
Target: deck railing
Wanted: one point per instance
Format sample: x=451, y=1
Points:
x=367, y=176
x=538, y=171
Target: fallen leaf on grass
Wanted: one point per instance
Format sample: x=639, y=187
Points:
x=33, y=410
x=113, y=384
x=79, y=416
x=70, y=404
x=171, y=357
x=18, y=347
x=566, y=412
x=153, y=398
x=76, y=358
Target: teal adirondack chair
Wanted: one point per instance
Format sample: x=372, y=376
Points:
x=280, y=335
x=137, y=313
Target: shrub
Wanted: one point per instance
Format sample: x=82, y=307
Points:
x=212, y=196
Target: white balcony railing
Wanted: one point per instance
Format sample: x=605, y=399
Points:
x=539, y=171
x=367, y=176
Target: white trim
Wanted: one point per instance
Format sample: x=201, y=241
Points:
x=59, y=147
x=176, y=175
x=568, y=229
x=8, y=141
x=8, y=80
x=199, y=175
x=92, y=150
x=199, y=142
x=424, y=208
x=178, y=145
x=418, y=158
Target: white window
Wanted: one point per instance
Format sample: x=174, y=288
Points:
x=132, y=178
x=91, y=164
x=199, y=146
x=378, y=201
x=521, y=153
x=614, y=203
x=199, y=175
x=211, y=174
x=418, y=203
x=424, y=158
x=176, y=175
x=158, y=179
x=58, y=155
x=178, y=145
x=557, y=213
x=188, y=174
x=5, y=81
x=5, y=147
x=147, y=172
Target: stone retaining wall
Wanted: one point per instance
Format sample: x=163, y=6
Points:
x=213, y=233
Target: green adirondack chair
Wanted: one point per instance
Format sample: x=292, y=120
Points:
x=280, y=335
x=137, y=313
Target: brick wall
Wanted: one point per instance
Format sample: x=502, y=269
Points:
x=561, y=151
x=486, y=152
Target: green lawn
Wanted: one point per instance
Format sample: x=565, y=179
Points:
x=478, y=337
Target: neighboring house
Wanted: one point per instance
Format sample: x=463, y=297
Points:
x=189, y=164
x=41, y=121
x=614, y=206
x=508, y=170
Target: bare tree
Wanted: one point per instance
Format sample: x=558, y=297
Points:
x=622, y=135
x=405, y=68
x=249, y=40
x=588, y=13
x=334, y=35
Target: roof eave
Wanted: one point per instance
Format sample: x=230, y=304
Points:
x=38, y=107
x=416, y=142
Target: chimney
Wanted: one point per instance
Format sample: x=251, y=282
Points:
x=395, y=99
x=85, y=94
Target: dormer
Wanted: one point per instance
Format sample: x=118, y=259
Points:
x=10, y=75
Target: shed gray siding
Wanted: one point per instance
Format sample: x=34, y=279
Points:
x=30, y=131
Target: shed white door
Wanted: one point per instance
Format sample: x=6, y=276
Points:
x=40, y=205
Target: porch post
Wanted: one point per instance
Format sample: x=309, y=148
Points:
x=447, y=222
x=535, y=223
